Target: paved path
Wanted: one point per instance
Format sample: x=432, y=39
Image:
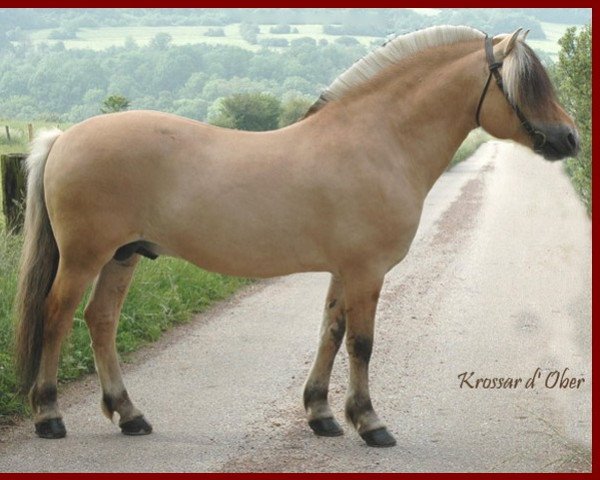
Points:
x=498, y=282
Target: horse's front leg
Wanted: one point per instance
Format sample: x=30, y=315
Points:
x=362, y=293
x=320, y=417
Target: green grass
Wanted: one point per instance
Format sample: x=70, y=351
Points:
x=468, y=147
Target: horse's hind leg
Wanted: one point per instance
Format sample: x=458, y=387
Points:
x=102, y=317
x=362, y=293
x=67, y=289
x=320, y=417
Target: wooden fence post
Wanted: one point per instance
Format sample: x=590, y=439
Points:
x=30, y=132
x=13, y=189
x=7, y=133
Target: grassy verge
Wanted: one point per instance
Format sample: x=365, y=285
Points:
x=468, y=147
x=164, y=292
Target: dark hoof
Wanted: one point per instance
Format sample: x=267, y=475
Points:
x=326, y=427
x=53, y=428
x=136, y=426
x=379, y=437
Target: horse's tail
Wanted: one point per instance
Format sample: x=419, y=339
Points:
x=39, y=262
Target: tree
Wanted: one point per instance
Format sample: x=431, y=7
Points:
x=293, y=109
x=161, y=41
x=215, y=32
x=574, y=76
x=247, y=111
x=249, y=32
x=114, y=103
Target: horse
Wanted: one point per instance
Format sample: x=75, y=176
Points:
x=340, y=191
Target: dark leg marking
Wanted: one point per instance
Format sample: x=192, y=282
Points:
x=112, y=404
x=52, y=427
x=45, y=396
x=314, y=394
x=332, y=303
x=362, y=347
x=137, y=425
x=356, y=406
x=324, y=427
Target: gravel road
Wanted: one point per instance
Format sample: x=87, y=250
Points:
x=498, y=282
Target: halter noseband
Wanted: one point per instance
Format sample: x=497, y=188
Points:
x=539, y=139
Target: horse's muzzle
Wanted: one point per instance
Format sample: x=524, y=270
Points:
x=561, y=141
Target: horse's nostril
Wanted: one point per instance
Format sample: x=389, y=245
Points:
x=572, y=140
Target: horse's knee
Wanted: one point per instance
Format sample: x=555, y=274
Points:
x=101, y=324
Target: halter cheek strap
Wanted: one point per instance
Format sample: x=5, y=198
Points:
x=538, y=137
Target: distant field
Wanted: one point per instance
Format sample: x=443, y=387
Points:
x=103, y=38
x=553, y=33
x=19, y=134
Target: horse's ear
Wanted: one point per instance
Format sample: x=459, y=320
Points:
x=524, y=36
x=502, y=49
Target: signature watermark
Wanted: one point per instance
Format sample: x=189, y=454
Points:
x=553, y=379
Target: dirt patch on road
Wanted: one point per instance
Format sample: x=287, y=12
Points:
x=461, y=216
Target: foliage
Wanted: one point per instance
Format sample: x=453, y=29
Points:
x=347, y=41
x=574, y=75
x=273, y=42
x=215, y=32
x=280, y=29
x=62, y=34
x=115, y=103
x=249, y=32
x=293, y=109
x=248, y=111
x=161, y=41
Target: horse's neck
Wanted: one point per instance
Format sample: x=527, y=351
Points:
x=427, y=107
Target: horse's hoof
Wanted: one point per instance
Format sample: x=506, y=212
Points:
x=136, y=426
x=379, y=437
x=52, y=428
x=326, y=427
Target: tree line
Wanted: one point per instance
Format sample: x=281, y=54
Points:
x=367, y=21
x=49, y=82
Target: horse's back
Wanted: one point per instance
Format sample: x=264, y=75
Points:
x=214, y=196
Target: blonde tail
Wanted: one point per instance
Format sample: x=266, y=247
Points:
x=39, y=261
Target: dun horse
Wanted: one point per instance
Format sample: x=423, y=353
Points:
x=340, y=191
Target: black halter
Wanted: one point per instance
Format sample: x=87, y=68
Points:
x=539, y=139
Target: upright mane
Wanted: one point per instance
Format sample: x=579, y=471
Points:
x=391, y=52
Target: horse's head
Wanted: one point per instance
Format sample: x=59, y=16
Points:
x=520, y=103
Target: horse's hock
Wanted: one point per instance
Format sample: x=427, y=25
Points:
x=13, y=189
